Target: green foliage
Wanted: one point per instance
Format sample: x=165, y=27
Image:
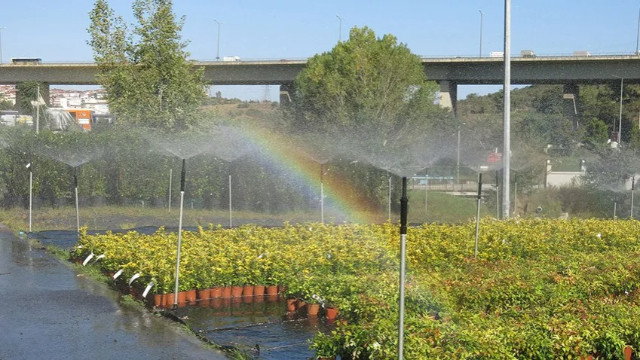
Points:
x=597, y=133
x=148, y=79
x=364, y=81
x=539, y=289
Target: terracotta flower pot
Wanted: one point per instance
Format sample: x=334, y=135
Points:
x=226, y=292
x=204, y=294
x=291, y=305
x=258, y=290
x=627, y=352
x=236, y=291
x=182, y=297
x=332, y=312
x=216, y=292
x=247, y=290
x=158, y=300
x=191, y=296
x=313, y=309
x=272, y=290
x=169, y=300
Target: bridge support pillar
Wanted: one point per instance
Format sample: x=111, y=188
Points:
x=286, y=92
x=448, y=96
x=570, y=96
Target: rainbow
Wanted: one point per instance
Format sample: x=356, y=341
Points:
x=342, y=196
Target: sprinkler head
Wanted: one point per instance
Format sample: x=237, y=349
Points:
x=404, y=207
x=183, y=175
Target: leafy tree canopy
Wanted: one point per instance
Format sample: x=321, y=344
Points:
x=148, y=79
x=364, y=82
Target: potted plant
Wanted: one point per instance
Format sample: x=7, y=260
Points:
x=326, y=346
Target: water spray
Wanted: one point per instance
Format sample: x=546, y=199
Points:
x=117, y=274
x=146, y=290
x=182, y=180
x=404, y=209
x=479, y=198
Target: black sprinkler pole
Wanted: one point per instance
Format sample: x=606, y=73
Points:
x=404, y=210
x=475, y=251
x=183, y=175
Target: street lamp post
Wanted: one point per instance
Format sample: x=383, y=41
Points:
x=638, y=35
x=481, y=14
x=218, y=44
x=339, y=28
x=506, y=153
x=1, y=28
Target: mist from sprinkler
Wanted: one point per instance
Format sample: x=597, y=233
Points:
x=73, y=154
x=230, y=144
x=320, y=149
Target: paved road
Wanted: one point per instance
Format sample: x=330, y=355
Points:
x=47, y=311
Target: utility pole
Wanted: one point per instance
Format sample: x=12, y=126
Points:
x=218, y=44
x=1, y=28
x=506, y=152
x=481, y=15
x=38, y=111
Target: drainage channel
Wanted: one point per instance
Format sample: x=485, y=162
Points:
x=259, y=327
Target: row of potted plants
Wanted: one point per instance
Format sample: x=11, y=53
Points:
x=315, y=263
x=538, y=288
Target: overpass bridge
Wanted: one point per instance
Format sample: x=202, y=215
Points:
x=569, y=71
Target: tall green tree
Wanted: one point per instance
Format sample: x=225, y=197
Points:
x=363, y=82
x=148, y=79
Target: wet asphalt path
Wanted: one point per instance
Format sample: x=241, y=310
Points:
x=47, y=311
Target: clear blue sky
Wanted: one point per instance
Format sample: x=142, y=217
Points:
x=56, y=30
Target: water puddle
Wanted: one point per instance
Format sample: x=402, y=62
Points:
x=256, y=324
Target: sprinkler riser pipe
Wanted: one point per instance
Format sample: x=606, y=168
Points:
x=322, y=202
x=30, y=198
x=175, y=291
x=183, y=175
x=404, y=207
x=475, y=249
x=77, y=211
x=170, y=178
x=403, y=251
